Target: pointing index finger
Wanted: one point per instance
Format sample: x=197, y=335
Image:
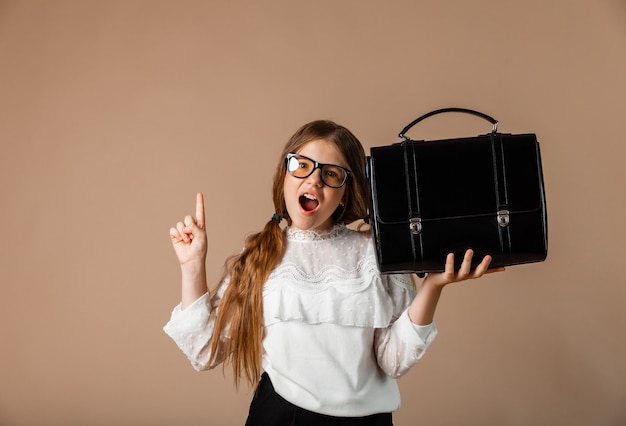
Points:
x=200, y=210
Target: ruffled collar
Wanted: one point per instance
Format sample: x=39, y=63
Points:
x=295, y=234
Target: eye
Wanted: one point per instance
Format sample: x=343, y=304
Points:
x=299, y=167
x=333, y=172
x=304, y=165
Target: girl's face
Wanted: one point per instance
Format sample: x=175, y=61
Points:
x=310, y=203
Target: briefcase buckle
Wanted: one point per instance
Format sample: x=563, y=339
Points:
x=415, y=225
x=503, y=218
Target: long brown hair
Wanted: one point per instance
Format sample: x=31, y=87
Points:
x=240, y=314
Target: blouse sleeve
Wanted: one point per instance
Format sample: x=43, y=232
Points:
x=400, y=345
x=192, y=330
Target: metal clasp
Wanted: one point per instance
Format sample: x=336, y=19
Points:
x=503, y=218
x=415, y=225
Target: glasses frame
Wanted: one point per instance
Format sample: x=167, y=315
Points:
x=317, y=165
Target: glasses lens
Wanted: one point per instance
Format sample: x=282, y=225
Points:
x=300, y=167
x=333, y=175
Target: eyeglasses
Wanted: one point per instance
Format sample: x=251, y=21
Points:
x=302, y=167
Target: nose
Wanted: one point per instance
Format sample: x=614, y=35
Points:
x=316, y=177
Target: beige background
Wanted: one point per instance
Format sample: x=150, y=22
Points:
x=114, y=113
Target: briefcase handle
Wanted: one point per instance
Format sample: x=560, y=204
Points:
x=492, y=120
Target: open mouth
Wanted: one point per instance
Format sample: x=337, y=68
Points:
x=308, y=202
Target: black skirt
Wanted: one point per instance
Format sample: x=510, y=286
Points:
x=270, y=409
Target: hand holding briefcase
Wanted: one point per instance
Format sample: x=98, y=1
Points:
x=431, y=198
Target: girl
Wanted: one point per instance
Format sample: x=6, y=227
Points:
x=306, y=306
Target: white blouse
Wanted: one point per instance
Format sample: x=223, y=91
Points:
x=337, y=332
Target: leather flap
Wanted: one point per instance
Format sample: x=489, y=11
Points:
x=455, y=178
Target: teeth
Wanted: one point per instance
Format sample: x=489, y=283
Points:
x=309, y=196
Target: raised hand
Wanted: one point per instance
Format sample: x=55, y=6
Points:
x=189, y=236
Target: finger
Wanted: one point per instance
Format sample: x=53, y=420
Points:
x=449, y=267
x=200, y=210
x=466, y=265
x=175, y=235
x=483, y=266
x=180, y=227
x=189, y=220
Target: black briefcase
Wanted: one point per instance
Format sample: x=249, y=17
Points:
x=431, y=198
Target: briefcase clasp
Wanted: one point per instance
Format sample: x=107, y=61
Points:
x=503, y=218
x=415, y=225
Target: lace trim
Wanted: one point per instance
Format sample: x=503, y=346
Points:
x=294, y=234
x=344, y=280
x=371, y=308
x=369, y=303
x=357, y=297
